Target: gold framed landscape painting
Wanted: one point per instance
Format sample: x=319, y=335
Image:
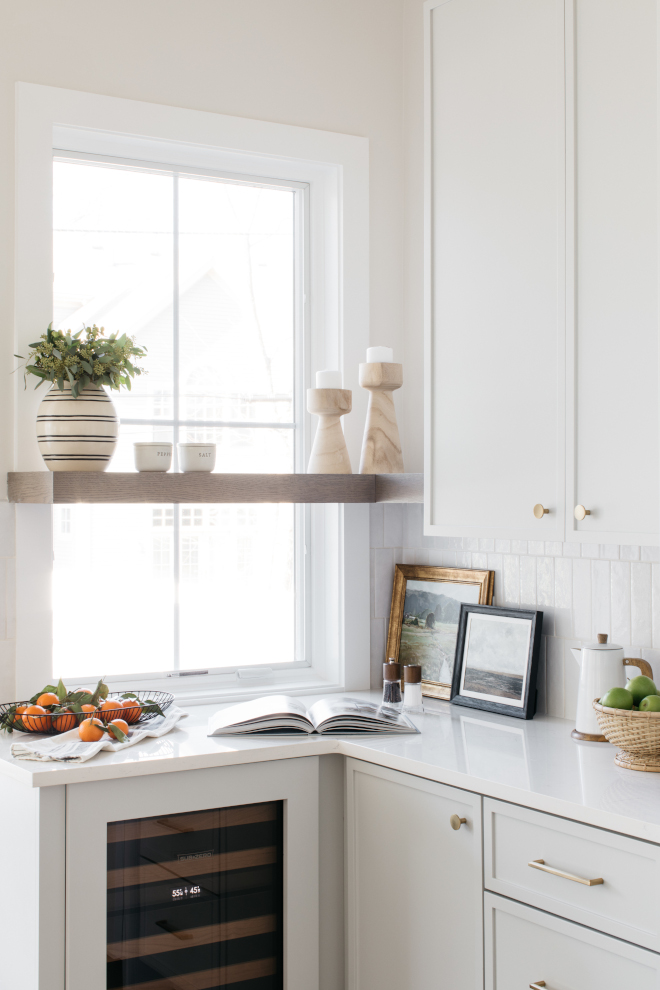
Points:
x=426, y=606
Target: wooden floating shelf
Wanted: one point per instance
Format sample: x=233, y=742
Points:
x=67, y=487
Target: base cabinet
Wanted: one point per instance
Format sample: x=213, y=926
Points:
x=526, y=947
x=413, y=883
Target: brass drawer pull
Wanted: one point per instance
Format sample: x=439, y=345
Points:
x=537, y=985
x=456, y=822
x=539, y=864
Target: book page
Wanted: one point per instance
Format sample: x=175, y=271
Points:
x=351, y=709
x=270, y=708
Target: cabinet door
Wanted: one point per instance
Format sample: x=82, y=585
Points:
x=613, y=431
x=495, y=268
x=414, y=883
x=525, y=947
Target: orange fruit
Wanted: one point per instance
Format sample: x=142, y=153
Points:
x=83, y=691
x=132, y=710
x=64, y=721
x=48, y=699
x=32, y=722
x=121, y=724
x=90, y=730
x=109, y=709
x=17, y=714
x=88, y=708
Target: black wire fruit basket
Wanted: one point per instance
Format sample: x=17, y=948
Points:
x=151, y=704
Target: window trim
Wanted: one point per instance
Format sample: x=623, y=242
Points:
x=336, y=168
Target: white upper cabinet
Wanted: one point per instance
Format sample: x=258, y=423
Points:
x=613, y=345
x=495, y=327
x=542, y=269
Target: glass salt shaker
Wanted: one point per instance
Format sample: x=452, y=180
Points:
x=412, y=684
x=392, y=697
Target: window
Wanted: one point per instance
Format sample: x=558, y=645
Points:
x=203, y=271
x=119, y=562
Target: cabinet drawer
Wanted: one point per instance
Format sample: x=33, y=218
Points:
x=625, y=904
x=526, y=947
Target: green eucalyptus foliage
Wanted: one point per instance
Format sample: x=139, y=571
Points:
x=91, y=359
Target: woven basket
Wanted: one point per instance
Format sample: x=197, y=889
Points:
x=637, y=733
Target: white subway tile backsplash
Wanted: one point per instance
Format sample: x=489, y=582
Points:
x=582, y=589
x=511, y=579
x=554, y=677
x=563, y=583
x=600, y=597
x=582, y=598
x=413, y=525
x=620, y=601
x=393, y=524
x=383, y=580
x=545, y=581
x=640, y=603
x=655, y=604
x=528, y=580
x=377, y=651
x=376, y=525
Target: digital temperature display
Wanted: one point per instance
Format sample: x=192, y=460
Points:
x=179, y=893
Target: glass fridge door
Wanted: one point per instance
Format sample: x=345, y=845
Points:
x=195, y=901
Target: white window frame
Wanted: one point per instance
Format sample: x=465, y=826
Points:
x=335, y=168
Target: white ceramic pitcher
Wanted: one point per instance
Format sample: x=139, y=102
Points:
x=602, y=666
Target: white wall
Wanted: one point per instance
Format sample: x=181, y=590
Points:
x=335, y=65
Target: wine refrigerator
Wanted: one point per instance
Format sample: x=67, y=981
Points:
x=195, y=900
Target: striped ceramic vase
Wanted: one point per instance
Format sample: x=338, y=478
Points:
x=77, y=434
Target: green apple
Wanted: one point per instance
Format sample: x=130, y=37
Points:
x=617, y=698
x=650, y=704
x=640, y=688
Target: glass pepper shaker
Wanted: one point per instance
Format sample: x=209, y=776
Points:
x=412, y=685
x=392, y=696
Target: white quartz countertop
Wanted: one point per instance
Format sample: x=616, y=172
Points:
x=535, y=763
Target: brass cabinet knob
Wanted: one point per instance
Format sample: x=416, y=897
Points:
x=456, y=822
x=581, y=512
x=537, y=985
x=540, y=511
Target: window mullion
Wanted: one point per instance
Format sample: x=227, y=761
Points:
x=176, y=528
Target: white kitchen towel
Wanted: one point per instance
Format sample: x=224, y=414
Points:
x=69, y=748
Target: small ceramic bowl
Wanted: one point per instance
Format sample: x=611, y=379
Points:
x=153, y=456
x=196, y=456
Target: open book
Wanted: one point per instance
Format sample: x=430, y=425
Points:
x=279, y=713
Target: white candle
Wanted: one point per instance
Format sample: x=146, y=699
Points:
x=382, y=355
x=328, y=379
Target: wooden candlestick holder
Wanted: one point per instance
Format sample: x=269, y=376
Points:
x=329, y=454
x=381, y=446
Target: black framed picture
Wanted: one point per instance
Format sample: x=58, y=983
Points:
x=497, y=658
